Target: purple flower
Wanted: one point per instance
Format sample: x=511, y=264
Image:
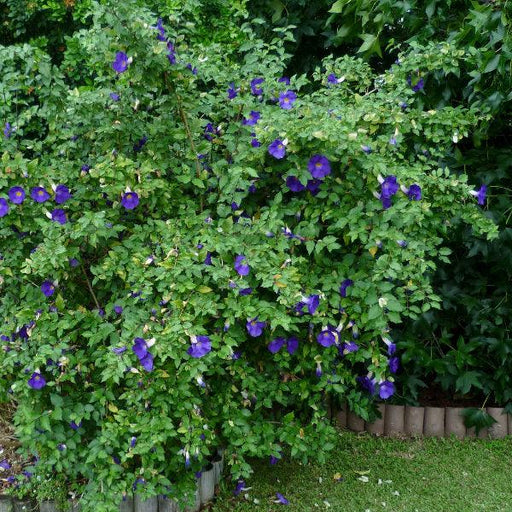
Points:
x=282, y=499
x=201, y=345
x=275, y=345
x=253, y=118
x=232, y=91
x=147, y=362
x=287, y=99
x=133, y=442
x=39, y=194
x=241, y=265
x=140, y=144
x=37, y=381
x=394, y=364
x=367, y=384
x=85, y=168
x=326, y=338
x=16, y=195
x=284, y=80
x=292, y=344
x=161, y=30
x=414, y=192
x=255, y=328
x=402, y=243
x=62, y=193
x=312, y=303
x=386, y=389
x=294, y=184
x=240, y=486
x=114, y=96
x=319, y=166
x=59, y=215
x=245, y=291
x=389, y=186
x=254, y=86
x=418, y=86
x=73, y=262
x=366, y=149
x=331, y=79
x=74, y=425
x=344, y=285
x=480, y=194
x=318, y=371
x=172, y=54
x=314, y=186
x=346, y=348
x=118, y=309
x=277, y=149
x=120, y=64
x=4, y=207
x=208, y=259
x=255, y=143
x=274, y=460
x=7, y=130
x=48, y=288
x=130, y=200
x=119, y=350
x=4, y=464
x=140, y=347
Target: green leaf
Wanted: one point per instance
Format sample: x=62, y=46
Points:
x=337, y=7
x=477, y=418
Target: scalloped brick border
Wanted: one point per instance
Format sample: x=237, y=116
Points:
x=404, y=420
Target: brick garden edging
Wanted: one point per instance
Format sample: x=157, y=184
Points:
x=205, y=491
x=404, y=420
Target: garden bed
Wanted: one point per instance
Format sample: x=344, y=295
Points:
x=431, y=421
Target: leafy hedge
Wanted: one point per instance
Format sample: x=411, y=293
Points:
x=197, y=250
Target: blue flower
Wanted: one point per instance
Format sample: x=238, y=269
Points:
x=253, y=118
x=257, y=91
x=414, y=192
x=16, y=195
x=386, y=389
x=294, y=184
x=201, y=345
x=292, y=344
x=344, y=285
x=48, y=288
x=241, y=265
x=319, y=166
x=120, y=64
x=275, y=345
x=277, y=149
x=7, y=130
x=255, y=328
x=281, y=499
x=394, y=364
x=480, y=194
x=367, y=384
x=232, y=91
x=326, y=338
x=287, y=99
x=59, y=215
x=4, y=207
x=240, y=486
x=37, y=381
x=62, y=193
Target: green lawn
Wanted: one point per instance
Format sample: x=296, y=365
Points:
x=422, y=475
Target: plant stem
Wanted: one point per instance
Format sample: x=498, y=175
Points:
x=90, y=287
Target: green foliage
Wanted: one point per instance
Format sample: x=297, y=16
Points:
x=173, y=137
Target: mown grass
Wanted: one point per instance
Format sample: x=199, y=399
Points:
x=421, y=475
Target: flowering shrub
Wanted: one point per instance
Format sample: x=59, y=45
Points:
x=198, y=250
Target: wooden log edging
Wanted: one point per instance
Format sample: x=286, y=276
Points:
x=204, y=493
x=398, y=420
